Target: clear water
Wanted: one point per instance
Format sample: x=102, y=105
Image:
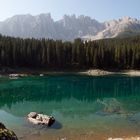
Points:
x=105, y=103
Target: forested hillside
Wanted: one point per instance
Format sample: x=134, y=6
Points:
x=50, y=54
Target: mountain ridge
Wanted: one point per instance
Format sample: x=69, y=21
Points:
x=68, y=28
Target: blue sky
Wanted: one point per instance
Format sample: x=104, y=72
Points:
x=99, y=9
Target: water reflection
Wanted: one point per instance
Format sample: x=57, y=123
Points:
x=58, y=88
x=73, y=100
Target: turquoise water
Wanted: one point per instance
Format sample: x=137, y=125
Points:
x=105, y=103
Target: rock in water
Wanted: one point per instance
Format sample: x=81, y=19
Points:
x=6, y=134
x=36, y=118
x=32, y=115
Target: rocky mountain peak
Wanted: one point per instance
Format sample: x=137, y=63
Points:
x=68, y=28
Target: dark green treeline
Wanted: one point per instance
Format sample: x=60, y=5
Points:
x=45, y=53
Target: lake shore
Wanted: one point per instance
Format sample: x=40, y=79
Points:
x=82, y=138
x=90, y=72
x=131, y=138
x=90, y=135
x=98, y=72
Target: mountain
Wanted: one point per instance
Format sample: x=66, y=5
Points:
x=28, y=26
x=123, y=27
x=68, y=28
x=43, y=26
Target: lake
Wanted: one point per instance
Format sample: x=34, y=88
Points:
x=85, y=107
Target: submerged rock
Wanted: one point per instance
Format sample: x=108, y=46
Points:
x=6, y=134
x=111, y=106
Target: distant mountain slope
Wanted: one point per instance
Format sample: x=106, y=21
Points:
x=118, y=28
x=68, y=28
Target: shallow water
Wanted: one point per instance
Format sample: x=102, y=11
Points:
x=82, y=105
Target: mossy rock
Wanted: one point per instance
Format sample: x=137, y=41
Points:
x=6, y=134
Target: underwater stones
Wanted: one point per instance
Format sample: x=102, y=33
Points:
x=111, y=106
x=6, y=134
x=115, y=109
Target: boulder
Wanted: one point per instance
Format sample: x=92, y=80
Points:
x=42, y=119
x=32, y=115
x=6, y=134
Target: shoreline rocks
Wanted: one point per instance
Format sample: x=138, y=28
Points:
x=6, y=134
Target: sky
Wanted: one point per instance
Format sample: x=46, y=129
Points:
x=101, y=10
